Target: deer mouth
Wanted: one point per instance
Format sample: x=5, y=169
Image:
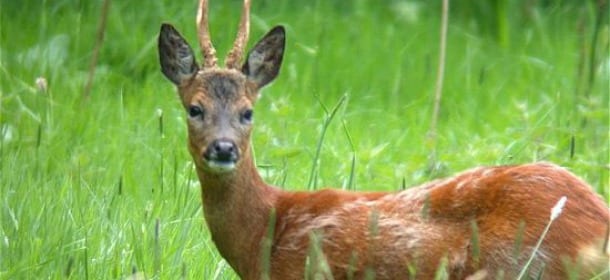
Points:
x=220, y=166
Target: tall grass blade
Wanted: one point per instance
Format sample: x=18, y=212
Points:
x=267, y=246
x=329, y=116
x=352, y=171
x=474, y=241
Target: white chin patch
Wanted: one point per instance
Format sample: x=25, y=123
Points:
x=221, y=167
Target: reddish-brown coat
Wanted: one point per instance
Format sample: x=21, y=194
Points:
x=437, y=220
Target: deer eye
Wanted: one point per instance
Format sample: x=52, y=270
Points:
x=246, y=116
x=195, y=111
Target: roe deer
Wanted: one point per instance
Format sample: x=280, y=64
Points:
x=485, y=221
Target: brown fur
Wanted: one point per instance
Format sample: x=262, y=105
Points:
x=482, y=222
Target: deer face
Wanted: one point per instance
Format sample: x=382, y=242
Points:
x=219, y=101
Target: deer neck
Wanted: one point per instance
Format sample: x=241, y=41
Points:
x=236, y=207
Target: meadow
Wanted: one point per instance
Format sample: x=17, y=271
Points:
x=102, y=187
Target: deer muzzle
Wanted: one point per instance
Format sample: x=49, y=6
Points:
x=221, y=155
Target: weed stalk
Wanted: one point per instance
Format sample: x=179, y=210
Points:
x=555, y=212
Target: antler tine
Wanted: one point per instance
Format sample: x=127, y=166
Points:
x=203, y=32
x=234, y=57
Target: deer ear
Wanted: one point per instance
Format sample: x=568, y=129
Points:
x=175, y=55
x=264, y=60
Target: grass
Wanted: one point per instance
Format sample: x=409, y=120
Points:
x=99, y=189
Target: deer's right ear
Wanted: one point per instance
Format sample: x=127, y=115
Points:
x=175, y=55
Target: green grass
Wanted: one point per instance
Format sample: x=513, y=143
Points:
x=96, y=189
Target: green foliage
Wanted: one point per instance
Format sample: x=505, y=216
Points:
x=95, y=189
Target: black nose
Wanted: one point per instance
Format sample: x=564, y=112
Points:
x=222, y=150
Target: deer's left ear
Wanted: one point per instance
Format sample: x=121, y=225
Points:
x=264, y=60
x=175, y=55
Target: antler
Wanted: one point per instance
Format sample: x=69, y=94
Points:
x=203, y=32
x=234, y=57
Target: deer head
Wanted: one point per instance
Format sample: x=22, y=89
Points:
x=219, y=101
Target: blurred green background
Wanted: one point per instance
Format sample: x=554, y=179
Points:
x=102, y=187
